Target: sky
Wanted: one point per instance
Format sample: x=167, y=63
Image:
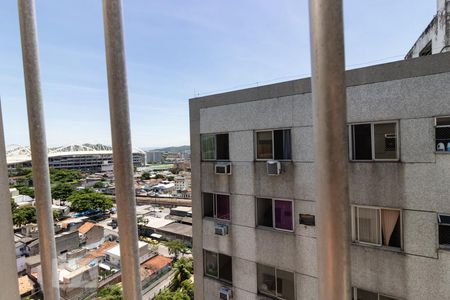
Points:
x=176, y=50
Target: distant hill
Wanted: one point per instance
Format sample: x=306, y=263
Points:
x=172, y=149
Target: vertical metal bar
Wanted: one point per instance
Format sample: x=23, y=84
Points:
x=41, y=177
x=330, y=142
x=122, y=153
x=8, y=278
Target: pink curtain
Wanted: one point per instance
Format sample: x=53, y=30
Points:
x=388, y=220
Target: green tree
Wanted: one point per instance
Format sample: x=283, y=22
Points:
x=24, y=190
x=110, y=292
x=145, y=176
x=24, y=215
x=87, y=199
x=98, y=185
x=159, y=176
x=183, y=271
x=13, y=206
x=64, y=176
x=176, y=247
x=62, y=191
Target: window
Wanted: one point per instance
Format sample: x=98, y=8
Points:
x=216, y=206
x=360, y=294
x=218, y=266
x=427, y=50
x=374, y=141
x=276, y=283
x=444, y=231
x=443, y=134
x=273, y=213
x=377, y=226
x=215, y=147
x=274, y=144
x=309, y=220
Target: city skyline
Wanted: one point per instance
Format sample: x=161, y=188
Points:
x=175, y=52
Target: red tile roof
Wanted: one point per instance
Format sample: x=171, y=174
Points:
x=86, y=227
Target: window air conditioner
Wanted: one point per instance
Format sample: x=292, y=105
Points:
x=221, y=229
x=223, y=168
x=225, y=293
x=273, y=167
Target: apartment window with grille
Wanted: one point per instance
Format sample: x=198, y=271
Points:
x=442, y=132
x=275, y=213
x=218, y=266
x=216, y=206
x=444, y=231
x=377, y=226
x=215, y=146
x=275, y=282
x=374, y=141
x=360, y=294
x=274, y=144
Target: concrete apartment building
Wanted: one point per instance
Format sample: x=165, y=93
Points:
x=436, y=36
x=254, y=234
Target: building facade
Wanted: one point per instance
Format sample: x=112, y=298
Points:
x=436, y=36
x=254, y=227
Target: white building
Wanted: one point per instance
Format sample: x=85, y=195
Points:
x=112, y=256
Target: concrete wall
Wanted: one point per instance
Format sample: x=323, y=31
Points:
x=412, y=94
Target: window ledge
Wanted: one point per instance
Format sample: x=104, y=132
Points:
x=215, y=220
x=442, y=152
x=265, y=228
x=383, y=248
x=376, y=161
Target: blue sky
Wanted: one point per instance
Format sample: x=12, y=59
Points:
x=177, y=49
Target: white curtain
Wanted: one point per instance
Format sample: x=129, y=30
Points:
x=369, y=228
x=389, y=219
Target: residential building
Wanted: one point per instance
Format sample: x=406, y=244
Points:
x=253, y=192
x=436, y=36
x=112, y=255
x=154, y=156
x=91, y=235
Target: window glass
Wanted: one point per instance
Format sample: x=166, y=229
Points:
x=225, y=268
x=390, y=227
x=369, y=227
x=223, y=207
x=443, y=134
x=444, y=231
x=264, y=145
x=362, y=142
x=208, y=147
x=211, y=267
x=264, y=211
x=282, y=144
x=285, y=285
x=266, y=280
x=385, y=141
x=283, y=214
x=208, y=205
x=222, y=147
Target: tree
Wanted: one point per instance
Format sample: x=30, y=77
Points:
x=110, y=292
x=98, y=185
x=183, y=271
x=181, y=287
x=159, y=176
x=64, y=176
x=176, y=247
x=87, y=199
x=145, y=176
x=62, y=191
x=13, y=206
x=24, y=190
x=24, y=215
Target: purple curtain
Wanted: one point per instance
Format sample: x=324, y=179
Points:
x=223, y=207
x=283, y=215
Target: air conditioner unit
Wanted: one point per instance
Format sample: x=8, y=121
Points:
x=225, y=293
x=223, y=168
x=273, y=167
x=221, y=229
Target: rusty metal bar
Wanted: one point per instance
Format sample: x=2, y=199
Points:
x=8, y=280
x=330, y=142
x=122, y=151
x=41, y=176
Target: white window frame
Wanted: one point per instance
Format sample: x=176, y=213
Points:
x=215, y=206
x=273, y=145
x=439, y=126
x=355, y=293
x=276, y=282
x=215, y=146
x=372, y=141
x=355, y=226
x=273, y=213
